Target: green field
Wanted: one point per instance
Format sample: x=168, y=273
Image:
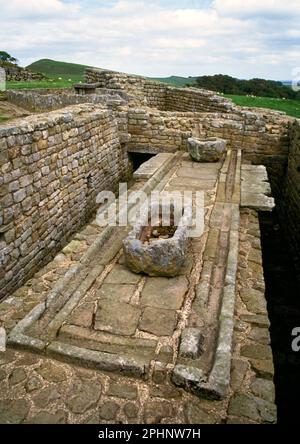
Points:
x=291, y=107
x=59, y=75
x=53, y=82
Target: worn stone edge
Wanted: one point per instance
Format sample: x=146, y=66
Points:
x=16, y=336
x=215, y=385
x=97, y=360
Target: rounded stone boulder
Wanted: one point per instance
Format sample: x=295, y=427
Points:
x=207, y=150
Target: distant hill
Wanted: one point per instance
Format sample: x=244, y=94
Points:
x=74, y=71
x=176, y=80
x=53, y=68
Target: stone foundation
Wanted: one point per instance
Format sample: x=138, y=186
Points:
x=44, y=100
x=18, y=74
x=159, y=95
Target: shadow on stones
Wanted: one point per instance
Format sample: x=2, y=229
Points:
x=283, y=299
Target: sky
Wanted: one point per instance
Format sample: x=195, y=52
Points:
x=245, y=39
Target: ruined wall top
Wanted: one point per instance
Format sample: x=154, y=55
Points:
x=160, y=95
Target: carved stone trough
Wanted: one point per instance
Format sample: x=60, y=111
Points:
x=207, y=150
x=157, y=246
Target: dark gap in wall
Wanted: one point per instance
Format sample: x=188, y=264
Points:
x=89, y=180
x=283, y=298
x=138, y=158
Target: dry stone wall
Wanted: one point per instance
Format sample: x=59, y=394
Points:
x=159, y=95
x=263, y=136
x=43, y=100
x=152, y=94
x=52, y=168
x=18, y=74
x=196, y=100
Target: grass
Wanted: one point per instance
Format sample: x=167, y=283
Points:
x=52, y=67
x=290, y=107
x=59, y=75
x=52, y=82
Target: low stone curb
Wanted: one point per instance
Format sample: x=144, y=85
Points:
x=192, y=379
x=99, y=360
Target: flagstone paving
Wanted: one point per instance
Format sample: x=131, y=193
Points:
x=122, y=324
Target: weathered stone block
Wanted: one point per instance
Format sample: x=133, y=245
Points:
x=206, y=150
x=191, y=343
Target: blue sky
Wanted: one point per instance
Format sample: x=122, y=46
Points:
x=257, y=38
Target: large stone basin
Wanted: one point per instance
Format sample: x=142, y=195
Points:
x=207, y=150
x=157, y=250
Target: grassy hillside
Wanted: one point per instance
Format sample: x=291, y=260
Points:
x=291, y=107
x=55, y=70
x=176, y=80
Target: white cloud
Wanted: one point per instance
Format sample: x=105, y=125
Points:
x=230, y=36
x=257, y=7
x=34, y=8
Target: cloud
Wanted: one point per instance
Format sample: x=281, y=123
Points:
x=18, y=9
x=157, y=38
x=257, y=8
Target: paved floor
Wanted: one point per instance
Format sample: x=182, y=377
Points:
x=135, y=319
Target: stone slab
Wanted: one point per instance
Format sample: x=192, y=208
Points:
x=121, y=275
x=117, y=317
x=107, y=342
x=159, y=322
x=82, y=315
x=165, y=293
x=116, y=292
x=148, y=168
x=192, y=184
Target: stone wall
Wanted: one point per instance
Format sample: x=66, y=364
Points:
x=43, y=100
x=289, y=207
x=152, y=94
x=52, y=167
x=262, y=135
x=160, y=95
x=196, y=100
x=18, y=74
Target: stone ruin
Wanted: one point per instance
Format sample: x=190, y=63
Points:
x=191, y=348
x=15, y=73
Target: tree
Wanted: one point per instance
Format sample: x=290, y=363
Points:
x=258, y=87
x=5, y=57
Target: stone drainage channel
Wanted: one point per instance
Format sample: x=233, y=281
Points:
x=101, y=315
